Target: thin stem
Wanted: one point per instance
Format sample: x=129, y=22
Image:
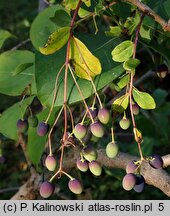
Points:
x=88, y=72
x=49, y=135
x=55, y=175
x=55, y=93
x=95, y=24
x=71, y=117
x=131, y=81
x=81, y=94
x=69, y=176
x=112, y=133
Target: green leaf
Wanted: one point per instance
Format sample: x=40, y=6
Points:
x=61, y=18
x=131, y=23
x=86, y=65
x=115, y=31
x=4, y=35
x=36, y=144
x=56, y=41
x=87, y=2
x=131, y=64
x=145, y=32
x=83, y=13
x=123, y=81
x=143, y=99
x=100, y=46
x=9, y=118
x=42, y=26
x=70, y=4
x=121, y=103
x=20, y=68
x=123, y=51
x=9, y=61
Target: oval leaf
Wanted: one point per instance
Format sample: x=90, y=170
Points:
x=4, y=35
x=123, y=51
x=56, y=41
x=86, y=65
x=20, y=68
x=143, y=99
x=121, y=104
x=131, y=64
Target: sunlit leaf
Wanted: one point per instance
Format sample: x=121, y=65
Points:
x=131, y=64
x=86, y=65
x=121, y=104
x=143, y=99
x=56, y=41
x=123, y=51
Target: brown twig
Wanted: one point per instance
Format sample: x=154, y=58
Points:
x=144, y=8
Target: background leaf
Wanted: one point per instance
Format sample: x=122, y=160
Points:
x=42, y=26
x=9, y=118
x=4, y=35
x=143, y=99
x=9, y=61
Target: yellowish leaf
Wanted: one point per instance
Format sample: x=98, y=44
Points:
x=56, y=41
x=86, y=65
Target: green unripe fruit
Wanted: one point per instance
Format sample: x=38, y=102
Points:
x=82, y=165
x=80, y=131
x=97, y=129
x=129, y=181
x=75, y=186
x=111, y=150
x=95, y=168
x=89, y=153
x=103, y=115
x=124, y=123
x=50, y=163
x=33, y=121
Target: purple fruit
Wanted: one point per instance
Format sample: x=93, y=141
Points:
x=82, y=165
x=95, y=168
x=131, y=167
x=103, y=115
x=89, y=153
x=75, y=186
x=80, y=131
x=140, y=184
x=135, y=109
x=93, y=111
x=97, y=129
x=22, y=125
x=156, y=161
x=33, y=121
x=124, y=123
x=42, y=129
x=129, y=181
x=46, y=189
x=50, y=162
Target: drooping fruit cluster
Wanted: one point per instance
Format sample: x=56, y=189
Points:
x=42, y=129
x=22, y=125
x=96, y=127
x=124, y=123
x=88, y=161
x=133, y=179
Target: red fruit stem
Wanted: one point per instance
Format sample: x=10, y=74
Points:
x=131, y=80
x=65, y=81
